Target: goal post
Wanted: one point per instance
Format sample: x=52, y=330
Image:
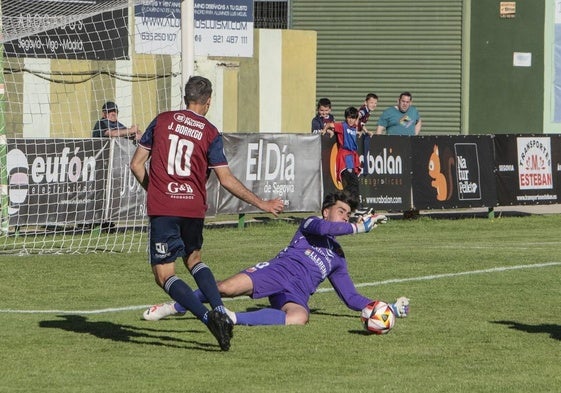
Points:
x=61, y=62
x=4, y=200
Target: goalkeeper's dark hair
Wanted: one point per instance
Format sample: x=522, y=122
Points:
x=198, y=89
x=331, y=199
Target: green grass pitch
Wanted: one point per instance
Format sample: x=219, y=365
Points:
x=485, y=300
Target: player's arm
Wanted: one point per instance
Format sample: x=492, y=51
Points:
x=236, y=188
x=321, y=227
x=346, y=290
x=318, y=226
x=138, y=165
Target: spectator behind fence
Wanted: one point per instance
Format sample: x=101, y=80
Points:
x=323, y=115
x=364, y=112
x=400, y=119
x=347, y=161
x=109, y=126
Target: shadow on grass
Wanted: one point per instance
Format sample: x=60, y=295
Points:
x=362, y=332
x=315, y=311
x=554, y=331
x=126, y=333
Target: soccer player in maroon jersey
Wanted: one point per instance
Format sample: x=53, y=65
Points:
x=182, y=147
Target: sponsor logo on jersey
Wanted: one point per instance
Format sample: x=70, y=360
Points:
x=317, y=261
x=183, y=119
x=180, y=190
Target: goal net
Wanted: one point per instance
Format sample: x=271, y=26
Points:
x=62, y=189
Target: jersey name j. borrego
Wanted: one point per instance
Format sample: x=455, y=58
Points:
x=184, y=147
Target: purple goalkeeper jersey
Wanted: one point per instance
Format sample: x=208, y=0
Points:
x=312, y=256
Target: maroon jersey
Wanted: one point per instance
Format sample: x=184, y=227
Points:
x=183, y=146
x=363, y=116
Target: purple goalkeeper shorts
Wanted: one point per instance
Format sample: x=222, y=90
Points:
x=278, y=279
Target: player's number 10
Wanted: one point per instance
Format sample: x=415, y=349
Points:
x=179, y=156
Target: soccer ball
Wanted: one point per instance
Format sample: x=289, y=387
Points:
x=377, y=317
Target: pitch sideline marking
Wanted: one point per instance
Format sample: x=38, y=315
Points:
x=458, y=274
x=320, y=290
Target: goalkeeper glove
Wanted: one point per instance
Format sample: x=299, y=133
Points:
x=369, y=222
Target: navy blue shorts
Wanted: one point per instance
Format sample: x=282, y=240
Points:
x=174, y=237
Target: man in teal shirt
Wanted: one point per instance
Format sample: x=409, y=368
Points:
x=400, y=119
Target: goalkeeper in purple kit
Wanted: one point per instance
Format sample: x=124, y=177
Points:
x=290, y=278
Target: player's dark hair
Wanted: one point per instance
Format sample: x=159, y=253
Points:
x=324, y=102
x=371, y=95
x=198, y=89
x=351, y=112
x=343, y=196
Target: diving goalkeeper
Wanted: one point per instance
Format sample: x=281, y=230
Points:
x=290, y=278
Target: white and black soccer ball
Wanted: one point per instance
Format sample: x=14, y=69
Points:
x=377, y=317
